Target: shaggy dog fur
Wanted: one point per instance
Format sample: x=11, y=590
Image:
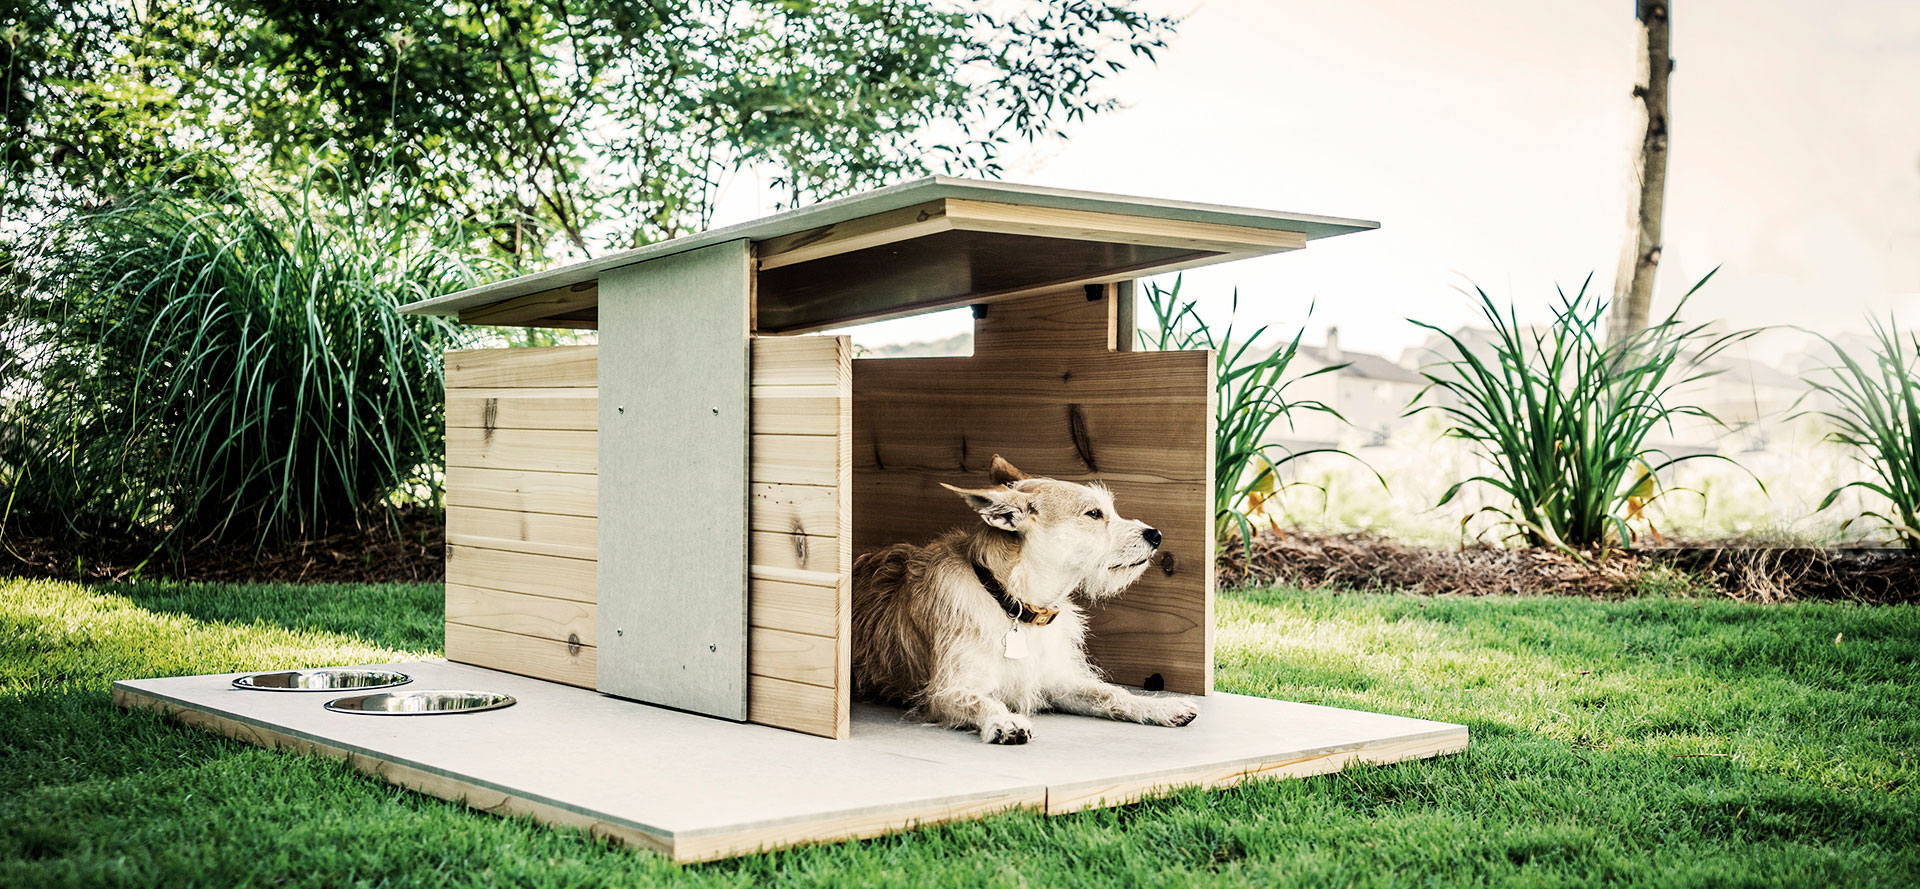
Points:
x=929, y=635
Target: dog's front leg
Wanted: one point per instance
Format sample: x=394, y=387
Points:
x=962, y=707
x=1104, y=699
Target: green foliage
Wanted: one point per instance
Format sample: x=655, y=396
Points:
x=1655, y=741
x=230, y=366
x=1877, y=413
x=1564, y=417
x=1250, y=394
x=562, y=124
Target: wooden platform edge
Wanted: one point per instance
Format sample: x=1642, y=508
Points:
x=690, y=848
x=1065, y=798
x=492, y=800
x=699, y=846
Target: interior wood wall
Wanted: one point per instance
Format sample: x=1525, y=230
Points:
x=1051, y=388
x=522, y=521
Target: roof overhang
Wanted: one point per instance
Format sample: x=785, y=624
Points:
x=921, y=246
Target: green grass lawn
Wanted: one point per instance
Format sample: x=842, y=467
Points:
x=1658, y=741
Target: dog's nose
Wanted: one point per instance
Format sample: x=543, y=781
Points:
x=1152, y=537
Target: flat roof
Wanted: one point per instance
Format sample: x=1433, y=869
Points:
x=579, y=276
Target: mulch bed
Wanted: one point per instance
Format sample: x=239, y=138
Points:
x=1761, y=574
x=411, y=549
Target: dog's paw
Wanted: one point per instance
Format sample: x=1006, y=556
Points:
x=1009, y=729
x=1174, y=712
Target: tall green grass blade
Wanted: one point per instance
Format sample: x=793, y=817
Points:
x=1562, y=417
x=1250, y=397
x=1875, y=411
x=228, y=365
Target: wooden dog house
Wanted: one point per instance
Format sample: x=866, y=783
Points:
x=670, y=516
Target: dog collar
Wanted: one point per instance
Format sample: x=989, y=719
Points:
x=1014, y=608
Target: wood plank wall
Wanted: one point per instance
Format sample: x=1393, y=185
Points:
x=522, y=511
x=800, y=622
x=1048, y=389
x=522, y=521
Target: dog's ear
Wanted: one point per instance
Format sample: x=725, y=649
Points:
x=1004, y=473
x=1003, y=508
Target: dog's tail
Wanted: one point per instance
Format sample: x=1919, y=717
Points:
x=882, y=632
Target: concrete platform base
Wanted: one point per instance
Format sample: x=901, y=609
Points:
x=698, y=788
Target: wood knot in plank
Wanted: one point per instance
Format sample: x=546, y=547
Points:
x=800, y=550
x=1082, y=441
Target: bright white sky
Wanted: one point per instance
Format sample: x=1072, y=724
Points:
x=1491, y=140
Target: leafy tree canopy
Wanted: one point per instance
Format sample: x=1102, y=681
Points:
x=555, y=124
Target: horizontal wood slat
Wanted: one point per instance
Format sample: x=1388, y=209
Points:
x=797, y=607
x=512, y=392
x=517, y=572
x=796, y=460
x=854, y=234
x=813, y=709
x=795, y=657
x=1083, y=225
x=1080, y=441
x=789, y=575
x=542, y=367
x=1049, y=324
x=554, y=535
x=789, y=509
x=1108, y=378
x=802, y=551
x=559, y=493
x=522, y=412
x=539, y=450
x=797, y=415
x=557, y=619
x=798, y=360
x=548, y=659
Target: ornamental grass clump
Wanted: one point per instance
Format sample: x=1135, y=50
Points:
x=1250, y=395
x=1563, y=416
x=225, y=364
x=1876, y=412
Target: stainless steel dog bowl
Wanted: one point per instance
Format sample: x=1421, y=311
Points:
x=328, y=679
x=420, y=703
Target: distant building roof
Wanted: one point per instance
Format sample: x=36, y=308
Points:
x=1365, y=365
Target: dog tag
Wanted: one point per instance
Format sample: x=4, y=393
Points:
x=1016, y=644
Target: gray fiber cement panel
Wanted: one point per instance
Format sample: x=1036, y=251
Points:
x=683, y=776
x=674, y=429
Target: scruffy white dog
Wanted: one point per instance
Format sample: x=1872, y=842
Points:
x=979, y=630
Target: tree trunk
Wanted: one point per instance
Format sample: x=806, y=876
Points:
x=1633, y=289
